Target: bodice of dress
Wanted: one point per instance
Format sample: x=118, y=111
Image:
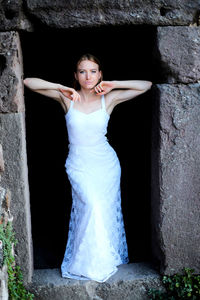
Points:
x=87, y=129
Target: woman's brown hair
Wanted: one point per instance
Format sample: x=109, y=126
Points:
x=90, y=57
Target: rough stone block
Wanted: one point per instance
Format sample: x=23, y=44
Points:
x=176, y=177
x=13, y=17
x=15, y=178
x=11, y=73
x=1, y=159
x=67, y=14
x=4, y=283
x=178, y=52
x=2, y=199
x=131, y=282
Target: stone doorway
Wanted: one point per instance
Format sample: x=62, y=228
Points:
x=175, y=151
x=175, y=163
x=50, y=55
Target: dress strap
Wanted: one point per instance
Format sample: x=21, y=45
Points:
x=70, y=107
x=71, y=104
x=103, y=102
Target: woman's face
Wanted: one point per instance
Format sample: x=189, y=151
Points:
x=88, y=74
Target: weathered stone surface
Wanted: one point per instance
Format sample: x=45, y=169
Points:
x=66, y=14
x=24, y=15
x=12, y=16
x=178, y=52
x=1, y=159
x=2, y=195
x=176, y=177
x=15, y=178
x=11, y=73
x=131, y=282
x=4, y=283
x=2, y=198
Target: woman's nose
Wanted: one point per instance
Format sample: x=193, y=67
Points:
x=88, y=75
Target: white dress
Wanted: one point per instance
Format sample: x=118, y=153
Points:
x=96, y=242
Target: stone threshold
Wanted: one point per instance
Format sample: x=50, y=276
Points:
x=130, y=282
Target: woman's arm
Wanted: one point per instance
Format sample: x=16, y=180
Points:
x=139, y=85
x=125, y=90
x=40, y=84
x=129, y=90
x=56, y=91
x=43, y=87
x=120, y=91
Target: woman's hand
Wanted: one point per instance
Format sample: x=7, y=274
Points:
x=104, y=87
x=70, y=93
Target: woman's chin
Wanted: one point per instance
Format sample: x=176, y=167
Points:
x=89, y=87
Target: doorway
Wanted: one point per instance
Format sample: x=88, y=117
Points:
x=125, y=53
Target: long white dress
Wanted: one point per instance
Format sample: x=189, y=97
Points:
x=96, y=242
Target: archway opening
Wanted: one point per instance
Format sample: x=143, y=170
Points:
x=126, y=53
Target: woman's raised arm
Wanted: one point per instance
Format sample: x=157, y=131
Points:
x=57, y=91
x=40, y=84
x=119, y=91
x=43, y=87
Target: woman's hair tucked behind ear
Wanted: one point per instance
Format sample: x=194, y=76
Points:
x=90, y=57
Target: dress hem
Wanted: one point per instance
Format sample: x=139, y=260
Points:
x=72, y=276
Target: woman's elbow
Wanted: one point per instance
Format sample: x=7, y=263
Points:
x=26, y=81
x=29, y=83
x=149, y=85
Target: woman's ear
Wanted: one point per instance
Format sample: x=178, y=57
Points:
x=101, y=75
x=75, y=75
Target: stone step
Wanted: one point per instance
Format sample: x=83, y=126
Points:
x=130, y=282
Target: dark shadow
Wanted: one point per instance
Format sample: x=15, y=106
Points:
x=126, y=53
x=2, y=63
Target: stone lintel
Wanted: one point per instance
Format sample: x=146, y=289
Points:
x=83, y=13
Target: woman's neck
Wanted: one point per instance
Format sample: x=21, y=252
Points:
x=87, y=95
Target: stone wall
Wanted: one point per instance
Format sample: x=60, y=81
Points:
x=13, y=140
x=175, y=131
x=4, y=209
x=176, y=151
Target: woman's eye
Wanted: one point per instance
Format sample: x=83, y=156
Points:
x=82, y=72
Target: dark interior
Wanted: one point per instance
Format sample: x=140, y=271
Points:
x=125, y=53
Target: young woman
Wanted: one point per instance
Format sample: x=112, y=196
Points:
x=96, y=242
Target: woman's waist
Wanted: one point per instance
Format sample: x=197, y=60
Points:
x=88, y=145
x=91, y=150
x=88, y=141
x=92, y=155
